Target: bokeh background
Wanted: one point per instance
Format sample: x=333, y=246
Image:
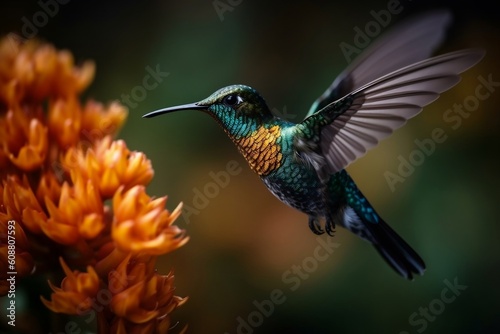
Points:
x=243, y=240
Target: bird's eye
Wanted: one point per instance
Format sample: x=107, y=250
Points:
x=232, y=100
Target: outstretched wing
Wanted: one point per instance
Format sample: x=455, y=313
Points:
x=405, y=44
x=348, y=127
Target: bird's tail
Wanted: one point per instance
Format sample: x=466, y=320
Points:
x=361, y=219
x=398, y=254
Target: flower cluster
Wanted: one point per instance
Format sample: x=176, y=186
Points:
x=74, y=199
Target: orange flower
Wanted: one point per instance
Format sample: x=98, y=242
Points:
x=48, y=187
x=21, y=203
x=24, y=140
x=99, y=122
x=110, y=165
x=58, y=167
x=80, y=213
x=143, y=225
x=64, y=120
x=141, y=296
x=77, y=291
x=43, y=71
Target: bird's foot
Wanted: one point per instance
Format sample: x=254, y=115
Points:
x=330, y=227
x=315, y=226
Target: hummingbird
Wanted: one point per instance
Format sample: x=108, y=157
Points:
x=303, y=164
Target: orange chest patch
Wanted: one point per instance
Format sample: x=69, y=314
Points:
x=261, y=149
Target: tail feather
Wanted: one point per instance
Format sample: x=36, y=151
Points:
x=398, y=254
x=360, y=218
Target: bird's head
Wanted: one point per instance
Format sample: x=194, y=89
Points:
x=236, y=104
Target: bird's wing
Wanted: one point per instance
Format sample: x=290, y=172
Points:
x=405, y=44
x=345, y=129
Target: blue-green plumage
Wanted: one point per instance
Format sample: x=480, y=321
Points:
x=304, y=164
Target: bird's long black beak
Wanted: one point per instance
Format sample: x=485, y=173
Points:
x=190, y=106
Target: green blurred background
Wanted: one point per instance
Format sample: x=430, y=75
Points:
x=244, y=240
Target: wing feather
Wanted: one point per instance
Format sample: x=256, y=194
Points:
x=379, y=100
x=382, y=106
x=409, y=42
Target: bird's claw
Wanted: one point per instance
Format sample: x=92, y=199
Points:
x=330, y=227
x=315, y=226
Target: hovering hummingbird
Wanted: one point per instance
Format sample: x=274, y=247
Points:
x=304, y=164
